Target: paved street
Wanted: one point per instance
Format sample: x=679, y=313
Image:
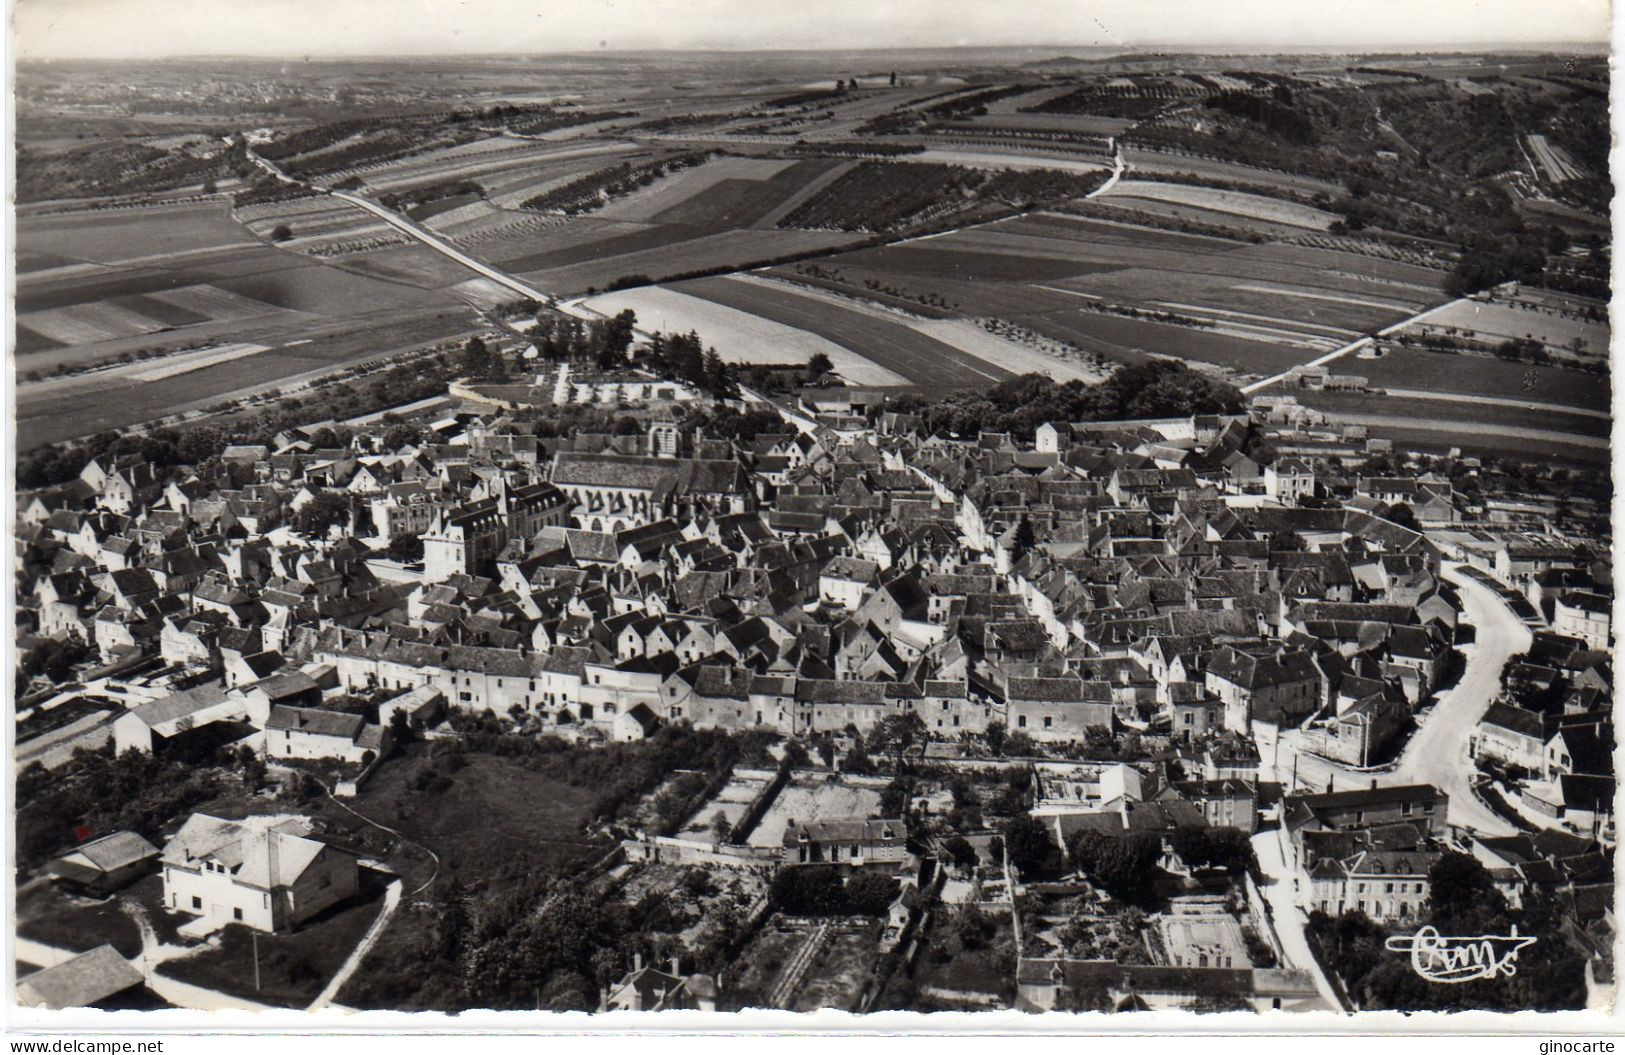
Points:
x=1437, y=753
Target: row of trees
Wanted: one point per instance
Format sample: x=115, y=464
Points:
x=1156, y=389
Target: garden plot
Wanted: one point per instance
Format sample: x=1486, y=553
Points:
x=814, y=797
x=733, y=801
x=738, y=336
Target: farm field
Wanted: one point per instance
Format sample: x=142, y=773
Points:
x=1479, y=375
x=1237, y=203
x=1501, y=320
x=47, y=415
x=1174, y=164
x=1541, y=417
x=127, y=235
x=487, y=161
x=664, y=252
x=1133, y=209
x=738, y=336
x=1126, y=291
x=673, y=191
x=219, y=278
x=1080, y=124
x=890, y=344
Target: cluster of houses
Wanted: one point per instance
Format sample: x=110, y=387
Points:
x=1165, y=578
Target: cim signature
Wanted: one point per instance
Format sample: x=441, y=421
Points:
x=1452, y=959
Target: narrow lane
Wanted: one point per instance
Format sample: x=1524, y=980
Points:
x=1279, y=889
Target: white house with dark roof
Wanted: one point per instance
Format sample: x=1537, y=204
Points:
x=259, y=872
x=307, y=732
x=855, y=842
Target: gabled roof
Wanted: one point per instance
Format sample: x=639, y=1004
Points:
x=83, y=981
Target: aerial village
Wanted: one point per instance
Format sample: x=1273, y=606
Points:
x=826, y=711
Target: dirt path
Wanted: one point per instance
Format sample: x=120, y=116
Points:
x=392, y=900
x=1352, y=346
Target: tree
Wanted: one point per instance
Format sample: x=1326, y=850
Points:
x=398, y=436
x=871, y=893
x=960, y=851
x=995, y=737
x=1288, y=542
x=809, y=890
x=896, y=733
x=477, y=359
x=895, y=797
x=1019, y=745
x=281, y=233
x=818, y=365
x=857, y=761
x=1123, y=865
x=973, y=928
x=405, y=548
x=1404, y=514
x=327, y=510
x=1025, y=539
x=1027, y=842
x=1461, y=892
x=400, y=727
x=1222, y=848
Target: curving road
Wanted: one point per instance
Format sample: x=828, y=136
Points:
x=1437, y=753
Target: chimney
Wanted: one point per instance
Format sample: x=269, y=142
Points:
x=675, y=963
x=637, y=961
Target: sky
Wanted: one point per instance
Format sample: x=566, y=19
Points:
x=296, y=28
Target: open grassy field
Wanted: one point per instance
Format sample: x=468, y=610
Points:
x=891, y=344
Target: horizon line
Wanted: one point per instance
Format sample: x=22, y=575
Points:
x=1237, y=50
